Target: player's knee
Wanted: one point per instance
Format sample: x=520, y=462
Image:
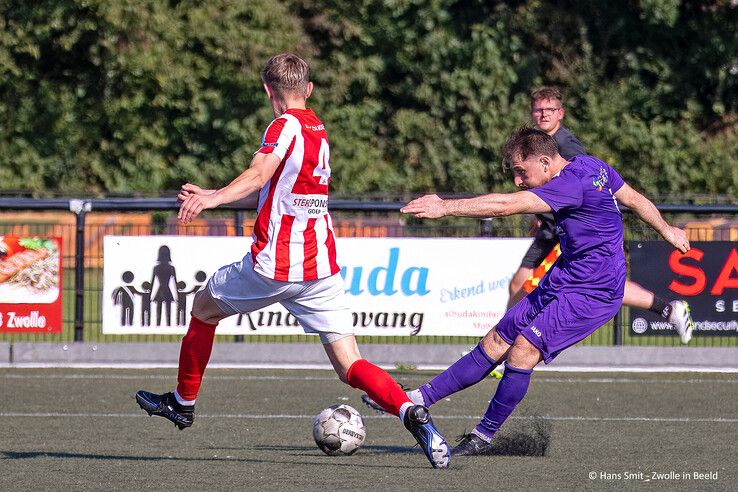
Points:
x=200, y=303
x=524, y=354
x=495, y=346
x=206, y=309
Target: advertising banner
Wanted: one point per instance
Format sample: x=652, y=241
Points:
x=394, y=286
x=30, y=284
x=706, y=276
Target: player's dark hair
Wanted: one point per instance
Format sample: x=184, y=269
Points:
x=286, y=73
x=527, y=142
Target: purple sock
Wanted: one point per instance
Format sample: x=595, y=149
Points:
x=469, y=370
x=510, y=391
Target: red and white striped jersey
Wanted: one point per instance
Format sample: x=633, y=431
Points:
x=293, y=233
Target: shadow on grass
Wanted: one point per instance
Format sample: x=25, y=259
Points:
x=373, y=449
x=365, y=451
x=313, y=452
x=17, y=455
x=312, y=459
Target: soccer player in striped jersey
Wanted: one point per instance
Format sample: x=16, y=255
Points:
x=292, y=261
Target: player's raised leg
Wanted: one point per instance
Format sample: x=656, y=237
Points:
x=352, y=369
x=467, y=371
x=179, y=405
x=355, y=371
x=675, y=312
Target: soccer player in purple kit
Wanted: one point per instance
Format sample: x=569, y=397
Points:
x=581, y=292
x=547, y=113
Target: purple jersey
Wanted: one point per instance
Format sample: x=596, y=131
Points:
x=584, y=288
x=589, y=225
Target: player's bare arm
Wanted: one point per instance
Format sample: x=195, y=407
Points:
x=195, y=199
x=648, y=213
x=188, y=189
x=491, y=205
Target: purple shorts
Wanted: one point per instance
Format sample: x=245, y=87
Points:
x=554, y=322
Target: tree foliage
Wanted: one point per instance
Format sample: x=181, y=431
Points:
x=417, y=95
x=133, y=95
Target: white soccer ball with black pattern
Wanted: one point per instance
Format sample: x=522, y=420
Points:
x=339, y=429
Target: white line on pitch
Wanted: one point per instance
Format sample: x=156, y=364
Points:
x=164, y=376
x=636, y=380
x=438, y=417
x=216, y=377
x=327, y=367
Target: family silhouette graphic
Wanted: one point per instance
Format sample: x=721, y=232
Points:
x=164, y=286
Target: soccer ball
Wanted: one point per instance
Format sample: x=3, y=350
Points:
x=339, y=429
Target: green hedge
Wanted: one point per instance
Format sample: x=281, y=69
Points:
x=102, y=96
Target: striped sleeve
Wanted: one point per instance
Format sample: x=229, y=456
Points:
x=278, y=137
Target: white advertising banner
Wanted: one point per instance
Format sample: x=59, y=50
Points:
x=395, y=286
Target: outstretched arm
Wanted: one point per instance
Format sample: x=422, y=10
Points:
x=195, y=199
x=648, y=213
x=492, y=205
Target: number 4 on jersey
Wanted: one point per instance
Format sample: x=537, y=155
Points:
x=323, y=169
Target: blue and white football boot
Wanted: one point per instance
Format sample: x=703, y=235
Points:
x=418, y=421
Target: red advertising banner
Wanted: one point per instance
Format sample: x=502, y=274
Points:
x=706, y=276
x=30, y=284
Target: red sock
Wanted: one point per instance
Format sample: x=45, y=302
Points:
x=378, y=385
x=193, y=357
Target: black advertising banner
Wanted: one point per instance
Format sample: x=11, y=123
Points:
x=706, y=276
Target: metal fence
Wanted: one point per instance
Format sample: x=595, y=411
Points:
x=82, y=224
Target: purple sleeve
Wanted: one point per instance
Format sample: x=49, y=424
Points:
x=616, y=182
x=563, y=191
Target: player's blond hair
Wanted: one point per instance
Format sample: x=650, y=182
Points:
x=546, y=92
x=287, y=74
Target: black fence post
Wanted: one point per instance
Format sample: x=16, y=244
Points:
x=238, y=219
x=80, y=208
x=617, y=328
x=485, y=228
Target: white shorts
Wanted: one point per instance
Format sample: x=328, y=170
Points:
x=318, y=305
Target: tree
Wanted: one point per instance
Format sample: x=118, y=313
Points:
x=417, y=95
x=133, y=95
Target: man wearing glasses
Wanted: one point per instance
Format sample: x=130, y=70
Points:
x=547, y=111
